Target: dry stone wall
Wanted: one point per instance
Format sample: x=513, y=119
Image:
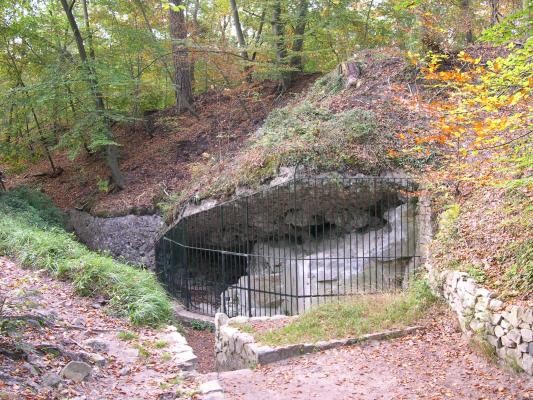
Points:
x=507, y=328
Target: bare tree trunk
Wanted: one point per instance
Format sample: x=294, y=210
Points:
x=240, y=38
x=467, y=20
x=92, y=80
x=180, y=56
x=238, y=29
x=494, y=12
x=278, y=29
x=299, y=30
x=259, y=33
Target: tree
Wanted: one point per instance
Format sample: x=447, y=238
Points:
x=92, y=81
x=180, y=56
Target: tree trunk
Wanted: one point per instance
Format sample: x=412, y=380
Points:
x=467, y=20
x=92, y=80
x=494, y=12
x=240, y=39
x=180, y=56
x=299, y=30
x=278, y=29
x=238, y=29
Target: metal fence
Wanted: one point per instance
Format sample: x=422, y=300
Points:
x=287, y=248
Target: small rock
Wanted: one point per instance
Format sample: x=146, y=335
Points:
x=507, y=342
x=527, y=335
x=79, y=321
x=76, y=371
x=51, y=379
x=512, y=316
x=495, y=319
x=505, y=324
x=527, y=316
x=97, y=345
x=515, y=336
x=499, y=331
x=96, y=359
x=31, y=369
x=210, y=387
x=124, y=371
x=495, y=304
x=527, y=363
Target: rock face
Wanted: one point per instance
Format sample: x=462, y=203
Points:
x=285, y=278
x=131, y=237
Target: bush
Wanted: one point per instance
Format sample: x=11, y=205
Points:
x=30, y=231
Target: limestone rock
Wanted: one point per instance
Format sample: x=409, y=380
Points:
x=97, y=345
x=76, y=371
x=51, y=379
x=494, y=341
x=527, y=335
x=515, y=336
x=495, y=319
x=527, y=363
x=499, y=331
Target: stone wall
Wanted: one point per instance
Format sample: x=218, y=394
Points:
x=131, y=237
x=235, y=349
x=507, y=328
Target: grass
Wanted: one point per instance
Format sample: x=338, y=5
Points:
x=160, y=344
x=356, y=317
x=31, y=230
x=127, y=336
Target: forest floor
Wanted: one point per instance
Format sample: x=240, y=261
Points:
x=59, y=326
x=437, y=363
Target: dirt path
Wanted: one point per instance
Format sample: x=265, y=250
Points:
x=143, y=364
x=435, y=364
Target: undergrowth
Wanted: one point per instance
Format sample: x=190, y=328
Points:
x=31, y=231
x=355, y=317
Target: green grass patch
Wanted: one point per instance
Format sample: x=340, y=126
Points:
x=31, y=231
x=127, y=336
x=355, y=317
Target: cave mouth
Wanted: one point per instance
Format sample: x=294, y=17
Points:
x=282, y=250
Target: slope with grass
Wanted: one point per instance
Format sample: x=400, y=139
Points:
x=31, y=231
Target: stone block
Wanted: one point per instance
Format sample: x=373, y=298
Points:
x=522, y=347
x=527, y=363
x=220, y=320
x=495, y=319
x=527, y=335
x=505, y=324
x=515, y=336
x=477, y=325
x=530, y=349
x=499, y=331
x=512, y=315
x=495, y=304
x=494, y=341
x=526, y=315
x=508, y=342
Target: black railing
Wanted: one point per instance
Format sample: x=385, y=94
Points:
x=301, y=243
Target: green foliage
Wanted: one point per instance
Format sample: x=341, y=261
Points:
x=34, y=237
x=127, y=336
x=355, y=317
x=329, y=84
x=514, y=26
x=477, y=273
x=201, y=326
x=519, y=276
x=448, y=221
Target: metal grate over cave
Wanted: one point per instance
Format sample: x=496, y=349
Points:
x=293, y=246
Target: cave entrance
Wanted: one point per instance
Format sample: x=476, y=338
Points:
x=286, y=248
